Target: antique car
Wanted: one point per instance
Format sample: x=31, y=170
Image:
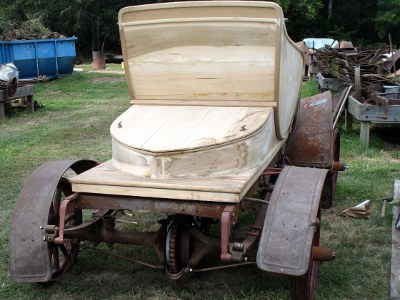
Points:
x=215, y=124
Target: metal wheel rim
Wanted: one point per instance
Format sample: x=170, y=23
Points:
x=62, y=256
x=303, y=287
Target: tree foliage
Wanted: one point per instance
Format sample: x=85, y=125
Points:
x=388, y=19
x=94, y=22
x=307, y=9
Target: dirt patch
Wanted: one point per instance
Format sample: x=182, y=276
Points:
x=108, y=79
x=107, y=71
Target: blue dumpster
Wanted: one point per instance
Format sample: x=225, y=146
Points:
x=33, y=58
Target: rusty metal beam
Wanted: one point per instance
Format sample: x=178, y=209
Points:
x=169, y=206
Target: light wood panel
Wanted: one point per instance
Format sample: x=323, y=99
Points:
x=210, y=150
x=181, y=128
x=199, y=10
x=108, y=180
x=290, y=70
x=105, y=179
x=225, y=103
x=220, y=52
x=202, y=61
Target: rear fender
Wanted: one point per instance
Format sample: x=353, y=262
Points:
x=311, y=141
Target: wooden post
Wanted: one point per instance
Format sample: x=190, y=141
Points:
x=364, y=133
x=396, y=190
x=2, y=110
x=31, y=103
x=395, y=276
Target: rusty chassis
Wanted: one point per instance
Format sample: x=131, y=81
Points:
x=102, y=228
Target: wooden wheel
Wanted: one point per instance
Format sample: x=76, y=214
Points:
x=62, y=256
x=303, y=287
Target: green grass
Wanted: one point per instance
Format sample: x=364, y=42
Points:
x=75, y=124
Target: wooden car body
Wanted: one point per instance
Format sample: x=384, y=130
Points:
x=214, y=87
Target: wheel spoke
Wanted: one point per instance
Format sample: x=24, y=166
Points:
x=62, y=255
x=64, y=250
x=70, y=217
x=55, y=258
x=51, y=214
x=57, y=202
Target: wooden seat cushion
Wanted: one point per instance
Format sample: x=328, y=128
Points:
x=163, y=129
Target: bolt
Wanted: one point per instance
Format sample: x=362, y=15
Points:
x=41, y=227
x=44, y=238
x=316, y=222
x=245, y=259
x=190, y=270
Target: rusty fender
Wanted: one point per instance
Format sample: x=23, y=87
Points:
x=286, y=240
x=311, y=141
x=29, y=254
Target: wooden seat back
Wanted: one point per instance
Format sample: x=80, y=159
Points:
x=213, y=53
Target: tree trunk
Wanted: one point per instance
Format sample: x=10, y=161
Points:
x=330, y=5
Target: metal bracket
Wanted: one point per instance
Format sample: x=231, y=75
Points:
x=228, y=219
x=65, y=206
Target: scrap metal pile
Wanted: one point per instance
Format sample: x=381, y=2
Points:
x=374, y=73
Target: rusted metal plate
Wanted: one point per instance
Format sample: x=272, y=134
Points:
x=169, y=206
x=311, y=142
x=286, y=240
x=328, y=83
x=365, y=112
x=29, y=256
